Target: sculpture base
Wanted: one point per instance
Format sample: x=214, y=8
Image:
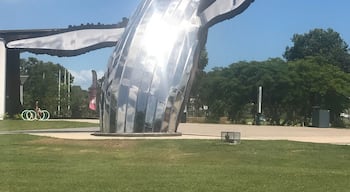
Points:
x=137, y=134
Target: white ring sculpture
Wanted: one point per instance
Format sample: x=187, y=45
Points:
x=31, y=115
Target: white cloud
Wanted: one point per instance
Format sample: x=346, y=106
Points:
x=83, y=78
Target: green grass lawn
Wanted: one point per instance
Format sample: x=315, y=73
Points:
x=30, y=163
x=13, y=125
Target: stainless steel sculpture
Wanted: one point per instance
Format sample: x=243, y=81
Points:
x=152, y=68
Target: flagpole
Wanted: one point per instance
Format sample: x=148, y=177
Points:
x=68, y=92
x=59, y=93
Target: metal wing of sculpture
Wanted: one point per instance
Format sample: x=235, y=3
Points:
x=69, y=43
x=152, y=68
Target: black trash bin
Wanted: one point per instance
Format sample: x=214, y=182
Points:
x=320, y=117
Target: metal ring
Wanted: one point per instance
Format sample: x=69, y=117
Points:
x=45, y=115
x=23, y=113
x=28, y=115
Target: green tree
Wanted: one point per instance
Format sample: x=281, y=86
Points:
x=80, y=104
x=42, y=86
x=317, y=83
x=320, y=43
x=315, y=74
x=241, y=90
x=195, y=102
x=26, y=64
x=290, y=90
x=210, y=92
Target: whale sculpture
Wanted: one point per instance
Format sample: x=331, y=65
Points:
x=151, y=70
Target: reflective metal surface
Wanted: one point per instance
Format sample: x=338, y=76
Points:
x=152, y=68
x=71, y=43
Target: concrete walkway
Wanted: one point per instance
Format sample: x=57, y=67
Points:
x=213, y=131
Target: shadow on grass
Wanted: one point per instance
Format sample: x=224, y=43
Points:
x=15, y=125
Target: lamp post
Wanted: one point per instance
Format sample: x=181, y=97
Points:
x=23, y=79
x=259, y=108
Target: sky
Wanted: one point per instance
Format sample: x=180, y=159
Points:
x=261, y=32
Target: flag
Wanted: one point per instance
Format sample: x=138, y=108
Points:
x=92, y=104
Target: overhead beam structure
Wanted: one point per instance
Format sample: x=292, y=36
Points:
x=68, y=42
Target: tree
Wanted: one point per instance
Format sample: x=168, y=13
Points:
x=50, y=85
x=26, y=64
x=42, y=86
x=200, y=73
x=315, y=74
x=80, y=104
x=317, y=83
x=290, y=90
x=320, y=43
x=241, y=90
x=210, y=92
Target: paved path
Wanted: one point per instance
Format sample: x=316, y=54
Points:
x=213, y=131
x=250, y=132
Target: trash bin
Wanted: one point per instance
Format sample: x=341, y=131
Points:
x=258, y=119
x=184, y=117
x=320, y=118
x=231, y=137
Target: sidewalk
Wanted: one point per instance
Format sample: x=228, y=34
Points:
x=213, y=131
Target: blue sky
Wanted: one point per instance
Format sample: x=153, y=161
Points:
x=261, y=32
